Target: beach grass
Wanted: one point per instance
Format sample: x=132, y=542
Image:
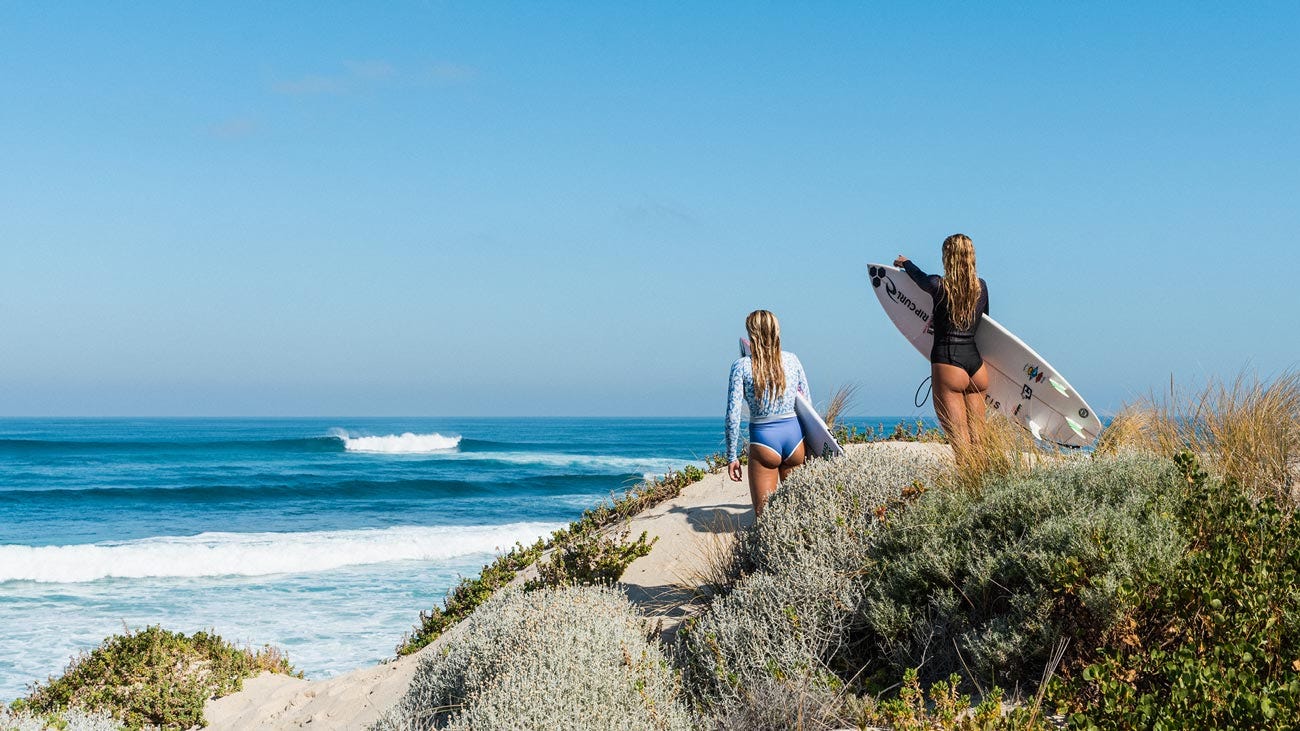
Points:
x=1246, y=429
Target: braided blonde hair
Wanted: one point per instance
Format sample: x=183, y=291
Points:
x=765, y=348
x=961, y=285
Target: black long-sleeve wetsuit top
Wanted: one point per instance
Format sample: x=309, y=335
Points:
x=945, y=333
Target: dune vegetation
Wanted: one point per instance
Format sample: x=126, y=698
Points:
x=1151, y=583
x=151, y=678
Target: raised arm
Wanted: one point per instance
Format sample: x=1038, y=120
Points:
x=735, y=395
x=924, y=281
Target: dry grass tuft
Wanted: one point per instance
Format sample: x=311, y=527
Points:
x=1004, y=450
x=1245, y=429
x=839, y=403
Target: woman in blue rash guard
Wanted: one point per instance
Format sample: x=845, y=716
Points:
x=767, y=380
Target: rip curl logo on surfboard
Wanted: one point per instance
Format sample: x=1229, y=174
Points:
x=880, y=276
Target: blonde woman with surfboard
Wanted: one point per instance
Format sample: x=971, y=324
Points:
x=959, y=377
x=768, y=379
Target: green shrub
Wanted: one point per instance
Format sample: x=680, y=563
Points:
x=591, y=558
x=987, y=583
x=153, y=678
x=573, y=658
x=947, y=710
x=902, y=432
x=1215, y=643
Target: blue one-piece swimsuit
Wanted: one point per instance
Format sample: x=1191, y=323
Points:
x=772, y=422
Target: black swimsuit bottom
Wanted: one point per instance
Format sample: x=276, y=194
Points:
x=963, y=355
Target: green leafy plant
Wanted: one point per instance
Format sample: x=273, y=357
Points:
x=154, y=677
x=947, y=709
x=590, y=558
x=1214, y=643
x=901, y=432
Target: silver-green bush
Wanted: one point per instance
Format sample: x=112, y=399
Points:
x=768, y=654
x=574, y=658
x=988, y=583
x=859, y=570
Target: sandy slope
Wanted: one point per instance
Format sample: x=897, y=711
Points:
x=685, y=528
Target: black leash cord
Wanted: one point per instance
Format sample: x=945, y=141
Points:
x=917, y=395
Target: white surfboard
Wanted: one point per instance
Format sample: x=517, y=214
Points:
x=817, y=436
x=1022, y=385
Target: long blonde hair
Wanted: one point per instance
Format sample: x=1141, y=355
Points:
x=765, y=348
x=961, y=285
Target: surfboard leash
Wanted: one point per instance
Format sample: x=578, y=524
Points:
x=917, y=395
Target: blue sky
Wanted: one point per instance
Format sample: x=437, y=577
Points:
x=539, y=209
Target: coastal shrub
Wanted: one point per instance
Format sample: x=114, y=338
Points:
x=572, y=658
x=1246, y=429
x=989, y=583
x=770, y=653
x=591, y=558
x=70, y=720
x=153, y=677
x=467, y=595
x=861, y=569
x=1214, y=643
x=947, y=709
x=900, y=432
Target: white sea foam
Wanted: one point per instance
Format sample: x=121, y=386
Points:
x=407, y=443
x=256, y=554
x=601, y=464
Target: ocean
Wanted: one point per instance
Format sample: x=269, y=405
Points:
x=323, y=537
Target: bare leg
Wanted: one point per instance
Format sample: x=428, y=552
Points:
x=764, y=464
x=950, y=384
x=979, y=385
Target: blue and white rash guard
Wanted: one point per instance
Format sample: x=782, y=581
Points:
x=742, y=387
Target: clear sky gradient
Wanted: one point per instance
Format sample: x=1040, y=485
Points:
x=568, y=208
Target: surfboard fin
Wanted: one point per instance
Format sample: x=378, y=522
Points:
x=1036, y=431
x=1059, y=387
x=1077, y=429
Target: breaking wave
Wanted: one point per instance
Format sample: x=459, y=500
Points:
x=407, y=443
x=257, y=554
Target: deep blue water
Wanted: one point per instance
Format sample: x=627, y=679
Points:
x=325, y=537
